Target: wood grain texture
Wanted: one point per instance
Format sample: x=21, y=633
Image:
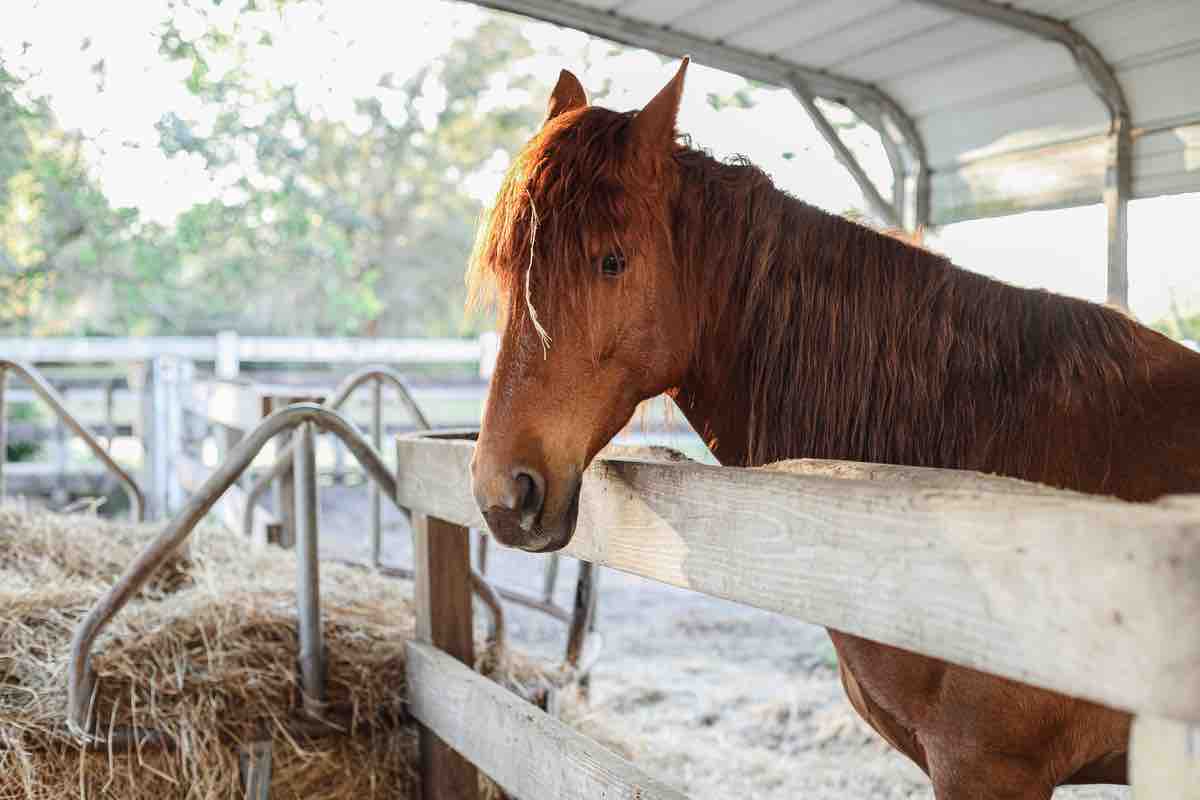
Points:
x=530, y=754
x=443, y=600
x=1164, y=759
x=1088, y=596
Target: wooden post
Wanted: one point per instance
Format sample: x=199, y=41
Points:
x=1164, y=759
x=228, y=364
x=443, y=594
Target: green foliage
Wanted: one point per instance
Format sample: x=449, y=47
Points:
x=321, y=227
x=23, y=451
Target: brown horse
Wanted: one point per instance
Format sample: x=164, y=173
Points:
x=629, y=264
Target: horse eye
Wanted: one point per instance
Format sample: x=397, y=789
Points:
x=612, y=265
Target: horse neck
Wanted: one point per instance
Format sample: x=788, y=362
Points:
x=819, y=338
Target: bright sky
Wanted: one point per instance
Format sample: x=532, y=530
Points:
x=360, y=40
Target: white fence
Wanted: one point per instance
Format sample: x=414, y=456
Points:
x=228, y=350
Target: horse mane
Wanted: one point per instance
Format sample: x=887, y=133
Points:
x=858, y=345
x=843, y=342
x=572, y=179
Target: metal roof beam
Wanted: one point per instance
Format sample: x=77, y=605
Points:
x=881, y=207
x=865, y=99
x=1096, y=71
x=1102, y=79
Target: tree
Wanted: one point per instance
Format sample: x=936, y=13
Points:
x=334, y=229
x=55, y=225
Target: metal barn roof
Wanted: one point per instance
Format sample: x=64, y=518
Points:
x=983, y=108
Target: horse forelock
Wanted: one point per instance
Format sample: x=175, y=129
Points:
x=574, y=192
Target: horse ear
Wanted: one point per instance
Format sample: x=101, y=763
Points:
x=568, y=94
x=654, y=125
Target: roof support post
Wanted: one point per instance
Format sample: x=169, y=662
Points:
x=1118, y=179
x=879, y=206
x=1103, y=81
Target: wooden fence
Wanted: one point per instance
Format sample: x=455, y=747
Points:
x=1087, y=596
x=154, y=399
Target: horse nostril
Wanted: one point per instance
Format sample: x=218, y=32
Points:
x=530, y=493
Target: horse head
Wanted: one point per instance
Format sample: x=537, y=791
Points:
x=578, y=253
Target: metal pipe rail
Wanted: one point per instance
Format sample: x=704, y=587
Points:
x=81, y=678
x=380, y=375
x=308, y=416
x=137, y=500
x=387, y=485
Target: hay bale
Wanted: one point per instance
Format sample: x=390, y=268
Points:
x=206, y=654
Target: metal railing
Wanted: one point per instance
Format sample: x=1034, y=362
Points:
x=44, y=389
x=581, y=620
x=81, y=680
x=283, y=462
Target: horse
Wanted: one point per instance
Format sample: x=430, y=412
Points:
x=625, y=264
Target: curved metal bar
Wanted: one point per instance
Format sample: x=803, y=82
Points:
x=339, y=396
x=1102, y=79
x=879, y=206
x=1100, y=76
x=80, y=678
x=137, y=500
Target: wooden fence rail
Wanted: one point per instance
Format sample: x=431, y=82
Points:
x=228, y=349
x=1091, y=597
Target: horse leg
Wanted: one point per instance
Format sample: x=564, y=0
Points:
x=958, y=776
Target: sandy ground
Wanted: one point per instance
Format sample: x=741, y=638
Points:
x=717, y=699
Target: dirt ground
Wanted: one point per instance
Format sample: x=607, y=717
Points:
x=717, y=699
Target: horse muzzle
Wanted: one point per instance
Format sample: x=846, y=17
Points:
x=520, y=511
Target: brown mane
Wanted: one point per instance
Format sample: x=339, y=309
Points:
x=824, y=310
x=816, y=308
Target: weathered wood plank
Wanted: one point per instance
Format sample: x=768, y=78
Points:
x=1088, y=596
x=442, y=562
x=1164, y=759
x=232, y=505
x=530, y=754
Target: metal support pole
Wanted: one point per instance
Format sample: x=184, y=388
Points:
x=110, y=413
x=879, y=206
x=59, y=493
x=585, y=608
x=376, y=498
x=550, y=578
x=1118, y=180
x=308, y=590
x=1103, y=81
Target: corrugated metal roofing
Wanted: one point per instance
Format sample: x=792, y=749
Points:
x=1007, y=119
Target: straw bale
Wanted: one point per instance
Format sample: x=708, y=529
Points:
x=207, y=655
